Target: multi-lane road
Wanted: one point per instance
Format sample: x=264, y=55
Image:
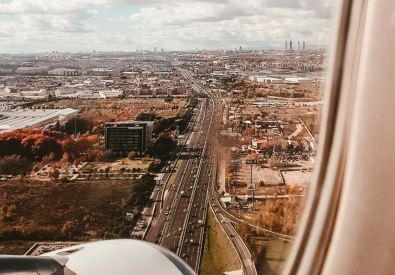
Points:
x=179, y=220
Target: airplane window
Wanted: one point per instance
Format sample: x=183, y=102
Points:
x=191, y=125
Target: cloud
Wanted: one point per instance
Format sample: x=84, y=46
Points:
x=228, y=25
x=171, y=24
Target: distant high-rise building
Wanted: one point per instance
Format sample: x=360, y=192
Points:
x=286, y=45
x=298, y=45
x=155, y=49
x=241, y=49
x=304, y=45
x=290, y=45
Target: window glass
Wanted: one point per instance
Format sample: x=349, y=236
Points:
x=190, y=124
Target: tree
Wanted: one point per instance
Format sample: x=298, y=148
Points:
x=131, y=155
x=14, y=165
x=147, y=117
x=56, y=126
x=11, y=211
x=44, y=146
x=54, y=174
x=163, y=147
x=163, y=125
x=78, y=125
x=48, y=158
x=68, y=228
x=66, y=157
x=76, y=147
x=108, y=155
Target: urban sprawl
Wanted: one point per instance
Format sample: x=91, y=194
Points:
x=159, y=146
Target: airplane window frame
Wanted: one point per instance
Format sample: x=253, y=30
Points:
x=316, y=225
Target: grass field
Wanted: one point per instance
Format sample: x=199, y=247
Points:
x=47, y=211
x=219, y=255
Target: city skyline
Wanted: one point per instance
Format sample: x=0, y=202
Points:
x=120, y=25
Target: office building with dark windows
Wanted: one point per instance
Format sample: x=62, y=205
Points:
x=128, y=136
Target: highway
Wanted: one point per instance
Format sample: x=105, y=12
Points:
x=167, y=196
x=221, y=214
x=210, y=170
x=179, y=224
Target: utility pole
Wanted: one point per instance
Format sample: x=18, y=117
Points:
x=250, y=186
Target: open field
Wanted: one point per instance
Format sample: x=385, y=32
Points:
x=126, y=109
x=15, y=247
x=270, y=255
x=219, y=256
x=297, y=177
x=52, y=211
x=125, y=163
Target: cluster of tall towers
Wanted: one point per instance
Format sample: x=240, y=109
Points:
x=288, y=45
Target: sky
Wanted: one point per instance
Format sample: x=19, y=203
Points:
x=126, y=25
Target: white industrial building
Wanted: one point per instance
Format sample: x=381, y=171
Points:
x=298, y=80
x=41, y=94
x=32, y=70
x=114, y=93
x=267, y=80
x=71, y=92
x=9, y=92
x=64, y=72
x=32, y=118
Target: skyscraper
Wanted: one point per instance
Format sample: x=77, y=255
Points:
x=304, y=45
x=286, y=45
x=298, y=45
x=290, y=45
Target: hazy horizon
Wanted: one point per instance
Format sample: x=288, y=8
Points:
x=39, y=26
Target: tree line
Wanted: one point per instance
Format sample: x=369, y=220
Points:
x=18, y=149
